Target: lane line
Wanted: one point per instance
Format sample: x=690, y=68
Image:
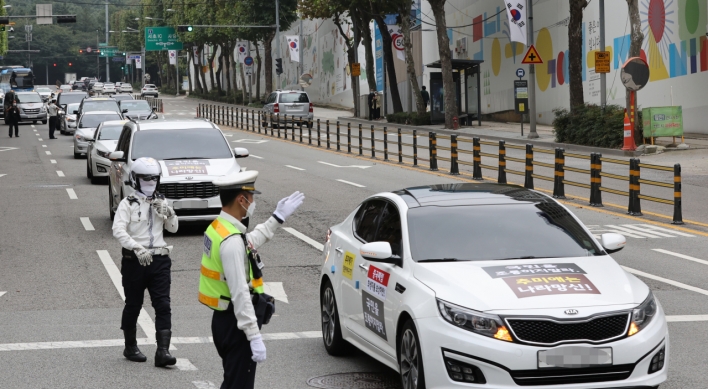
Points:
x=666, y=281
x=204, y=385
x=294, y=167
x=144, y=320
x=48, y=152
x=1, y=175
x=305, y=238
x=354, y=166
x=72, y=194
x=184, y=364
x=352, y=183
x=276, y=290
x=681, y=256
x=2, y=293
x=60, y=173
x=685, y=318
x=255, y=156
x=87, y=224
x=53, y=160
x=36, y=134
x=44, y=145
x=40, y=139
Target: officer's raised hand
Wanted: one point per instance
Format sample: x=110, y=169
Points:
x=162, y=209
x=288, y=205
x=258, y=349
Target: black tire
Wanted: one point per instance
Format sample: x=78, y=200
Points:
x=110, y=203
x=43, y=122
x=410, y=360
x=89, y=173
x=331, y=329
x=34, y=122
x=77, y=155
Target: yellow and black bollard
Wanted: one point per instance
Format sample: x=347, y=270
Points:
x=476, y=159
x=559, y=174
x=678, y=214
x=339, y=144
x=373, y=142
x=501, y=176
x=349, y=138
x=400, y=147
x=415, y=148
x=595, y=179
x=635, y=205
x=361, y=146
x=433, y=145
x=528, y=173
x=454, y=168
x=319, y=132
x=385, y=141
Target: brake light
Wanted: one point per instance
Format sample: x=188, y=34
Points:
x=276, y=109
x=310, y=107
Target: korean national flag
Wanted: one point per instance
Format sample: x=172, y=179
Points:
x=294, y=46
x=241, y=50
x=516, y=14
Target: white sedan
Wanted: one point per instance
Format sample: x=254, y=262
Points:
x=491, y=286
x=102, y=143
x=108, y=88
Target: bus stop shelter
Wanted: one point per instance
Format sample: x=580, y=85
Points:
x=466, y=76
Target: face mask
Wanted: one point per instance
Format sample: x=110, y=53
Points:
x=14, y=104
x=251, y=208
x=147, y=187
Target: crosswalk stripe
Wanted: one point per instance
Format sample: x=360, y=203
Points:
x=656, y=229
x=641, y=229
x=667, y=252
x=629, y=231
x=184, y=364
x=204, y=385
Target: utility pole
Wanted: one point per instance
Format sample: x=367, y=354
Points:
x=603, y=76
x=177, y=83
x=98, y=59
x=300, y=68
x=532, y=79
x=250, y=75
x=277, y=39
x=108, y=71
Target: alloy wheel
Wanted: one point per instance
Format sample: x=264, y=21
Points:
x=409, y=360
x=329, y=316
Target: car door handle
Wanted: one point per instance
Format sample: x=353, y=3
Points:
x=339, y=250
x=364, y=268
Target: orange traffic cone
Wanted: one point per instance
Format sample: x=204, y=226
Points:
x=629, y=144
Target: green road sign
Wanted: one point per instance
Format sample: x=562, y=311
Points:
x=103, y=44
x=110, y=52
x=161, y=38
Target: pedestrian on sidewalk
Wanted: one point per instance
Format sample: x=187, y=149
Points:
x=372, y=94
x=376, y=106
x=53, y=112
x=426, y=97
x=13, y=118
x=146, y=264
x=231, y=277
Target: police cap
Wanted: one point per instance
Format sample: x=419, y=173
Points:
x=245, y=181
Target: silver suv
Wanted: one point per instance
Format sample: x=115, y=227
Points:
x=293, y=103
x=32, y=108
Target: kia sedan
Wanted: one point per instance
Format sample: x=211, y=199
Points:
x=492, y=286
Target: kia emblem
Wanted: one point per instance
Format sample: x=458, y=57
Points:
x=571, y=311
x=189, y=177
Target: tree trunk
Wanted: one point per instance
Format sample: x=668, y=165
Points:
x=390, y=68
x=575, y=54
x=189, y=61
x=410, y=62
x=258, y=72
x=635, y=46
x=211, y=69
x=268, y=47
x=227, y=66
x=352, y=46
x=450, y=105
x=205, y=88
x=196, y=69
x=220, y=70
x=244, y=88
x=368, y=54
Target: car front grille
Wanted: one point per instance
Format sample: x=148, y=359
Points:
x=549, y=332
x=200, y=190
x=32, y=111
x=571, y=376
x=198, y=212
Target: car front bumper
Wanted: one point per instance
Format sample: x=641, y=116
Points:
x=80, y=146
x=32, y=117
x=513, y=365
x=100, y=166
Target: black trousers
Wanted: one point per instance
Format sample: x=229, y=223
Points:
x=234, y=350
x=156, y=279
x=17, y=129
x=52, y=125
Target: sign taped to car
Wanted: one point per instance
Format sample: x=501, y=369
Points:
x=377, y=282
x=184, y=167
x=544, y=279
x=373, y=309
x=540, y=269
x=348, y=265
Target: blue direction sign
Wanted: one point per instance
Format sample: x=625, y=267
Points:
x=248, y=61
x=520, y=72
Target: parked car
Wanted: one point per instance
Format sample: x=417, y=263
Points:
x=67, y=123
x=109, y=89
x=149, y=90
x=293, y=103
x=126, y=87
x=32, y=109
x=45, y=92
x=88, y=122
x=101, y=144
x=67, y=88
x=137, y=109
x=192, y=153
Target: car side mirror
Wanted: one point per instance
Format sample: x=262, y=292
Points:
x=612, y=242
x=125, y=110
x=117, y=156
x=76, y=112
x=240, y=152
x=379, y=252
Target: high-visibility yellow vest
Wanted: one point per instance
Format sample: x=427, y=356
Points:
x=213, y=289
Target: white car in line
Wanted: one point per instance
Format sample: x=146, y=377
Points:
x=101, y=144
x=488, y=286
x=108, y=88
x=97, y=87
x=126, y=88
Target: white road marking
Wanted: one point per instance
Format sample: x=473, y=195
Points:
x=7, y=148
x=32, y=125
x=1, y=175
x=40, y=139
x=276, y=290
x=53, y=160
x=204, y=385
x=681, y=256
x=87, y=224
x=666, y=281
x=228, y=134
x=60, y=173
x=305, y=238
x=36, y=134
x=72, y=194
x=48, y=152
x=44, y=145
x=352, y=183
x=659, y=230
x=294, y=167
x=255, y=156
x=354, y=166
x=253, y=141
x=684, y=318
x=184, y=364
x=2, y=293
x=144, y=321
x=632, y=231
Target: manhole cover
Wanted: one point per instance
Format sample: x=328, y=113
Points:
x=356, y=381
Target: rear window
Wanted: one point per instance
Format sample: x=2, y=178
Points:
x=69, y=98
x=93, y=121
x=202, y=143
x=294, y=98
x=150, y=86
x=110, y=132
x=135, y=105
x=100, y=105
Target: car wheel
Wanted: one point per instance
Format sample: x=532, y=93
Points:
x=34, y=122
x=77, y=155
x=89, y=174
x=331, y=329
x=410, y=359
x=110, y=203
x=43, y=122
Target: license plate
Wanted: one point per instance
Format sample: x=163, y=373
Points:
x=574, y=357
x=190, y=204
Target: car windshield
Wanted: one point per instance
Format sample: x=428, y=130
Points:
x=92, y=121
x=202, y=143
x=135, y=105
x=70, y=98
x=497, y=232
x=122, y=97
x=294, y=98
x=111, y=132
x=44, y=90
x=70, y=108
x=101, y=105
x=28, y=98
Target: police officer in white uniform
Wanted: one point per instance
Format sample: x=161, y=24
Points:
x=231, y=280
x=146, y=264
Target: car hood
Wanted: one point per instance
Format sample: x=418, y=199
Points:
x=137, y=114
x=506, y=285
x=197, y=170
x=31, y=105
x=107, y=145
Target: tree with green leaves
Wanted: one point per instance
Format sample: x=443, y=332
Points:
x=379, y=8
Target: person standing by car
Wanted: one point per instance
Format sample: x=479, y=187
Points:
x=138, y=224
x=53, y=112
x=231, y=280
x=13, y=118
x=376, y=106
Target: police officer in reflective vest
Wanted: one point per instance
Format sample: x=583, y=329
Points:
x=231, y=281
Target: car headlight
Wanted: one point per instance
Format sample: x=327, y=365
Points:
x=477, y=322
x=102, y=153
x=81, y=138
x=70, y=119
x=642, y=315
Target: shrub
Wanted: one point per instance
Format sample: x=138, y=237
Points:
x=411, y=118
x=590, y=125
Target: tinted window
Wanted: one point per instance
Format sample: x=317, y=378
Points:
x=110, y=132
x=390, y=229
x=202, y=143
x=124, y=140
x=294, y=97
x=100, y=105
x=28, y=98
x=491, y=232
x=70, y=108
x=68, y=98
x=93, y=121
x=367, y=219
x=150, y=86
x=135, y=105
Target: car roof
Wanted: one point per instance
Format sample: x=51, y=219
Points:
x=461, y=194
x=100, y=113
x=26, y=93
x=115, y=122
x=291, y=91
x=98, y=99
x=175, y=124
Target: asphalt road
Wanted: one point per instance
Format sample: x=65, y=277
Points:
x=60, y=310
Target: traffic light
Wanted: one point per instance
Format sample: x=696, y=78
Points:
x=279, y=66
x=81, y=51
x=69, y=63
x=2, y=28
x=185, y=28
x=55, y=65
x=4, y=20
x=124, y=56
x=66, y=19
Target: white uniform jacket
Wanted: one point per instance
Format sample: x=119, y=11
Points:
x=136, y=223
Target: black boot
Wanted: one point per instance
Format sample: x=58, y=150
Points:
x=132, y=352
x=162, y=355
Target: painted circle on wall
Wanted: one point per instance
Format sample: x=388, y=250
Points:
x=657, y=19
x=544, y=46
x=496, y=56
x=692, y=15
x=559, y=68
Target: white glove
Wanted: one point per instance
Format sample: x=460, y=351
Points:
x=162, y=209
x=288, y=205
x=144, y=256
x=258, y=349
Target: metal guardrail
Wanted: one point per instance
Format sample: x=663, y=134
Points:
x=257, y=120
x=155, y=103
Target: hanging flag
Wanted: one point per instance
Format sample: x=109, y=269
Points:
x=173, y=56
x=242, y=50
x=138, y=62
x=294, y=46
x=516, y=14
x=397, y=40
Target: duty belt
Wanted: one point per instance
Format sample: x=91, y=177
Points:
x=153, y=251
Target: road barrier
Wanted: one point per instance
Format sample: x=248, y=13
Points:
x=257, y=120
x=155, y=103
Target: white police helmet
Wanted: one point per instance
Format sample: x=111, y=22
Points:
x=146, y=169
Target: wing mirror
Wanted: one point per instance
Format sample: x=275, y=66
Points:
x=124, y=110
x=240, y=152
x=613, y=242
x=76, y=112
x=117, y=156
x=380, y=252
